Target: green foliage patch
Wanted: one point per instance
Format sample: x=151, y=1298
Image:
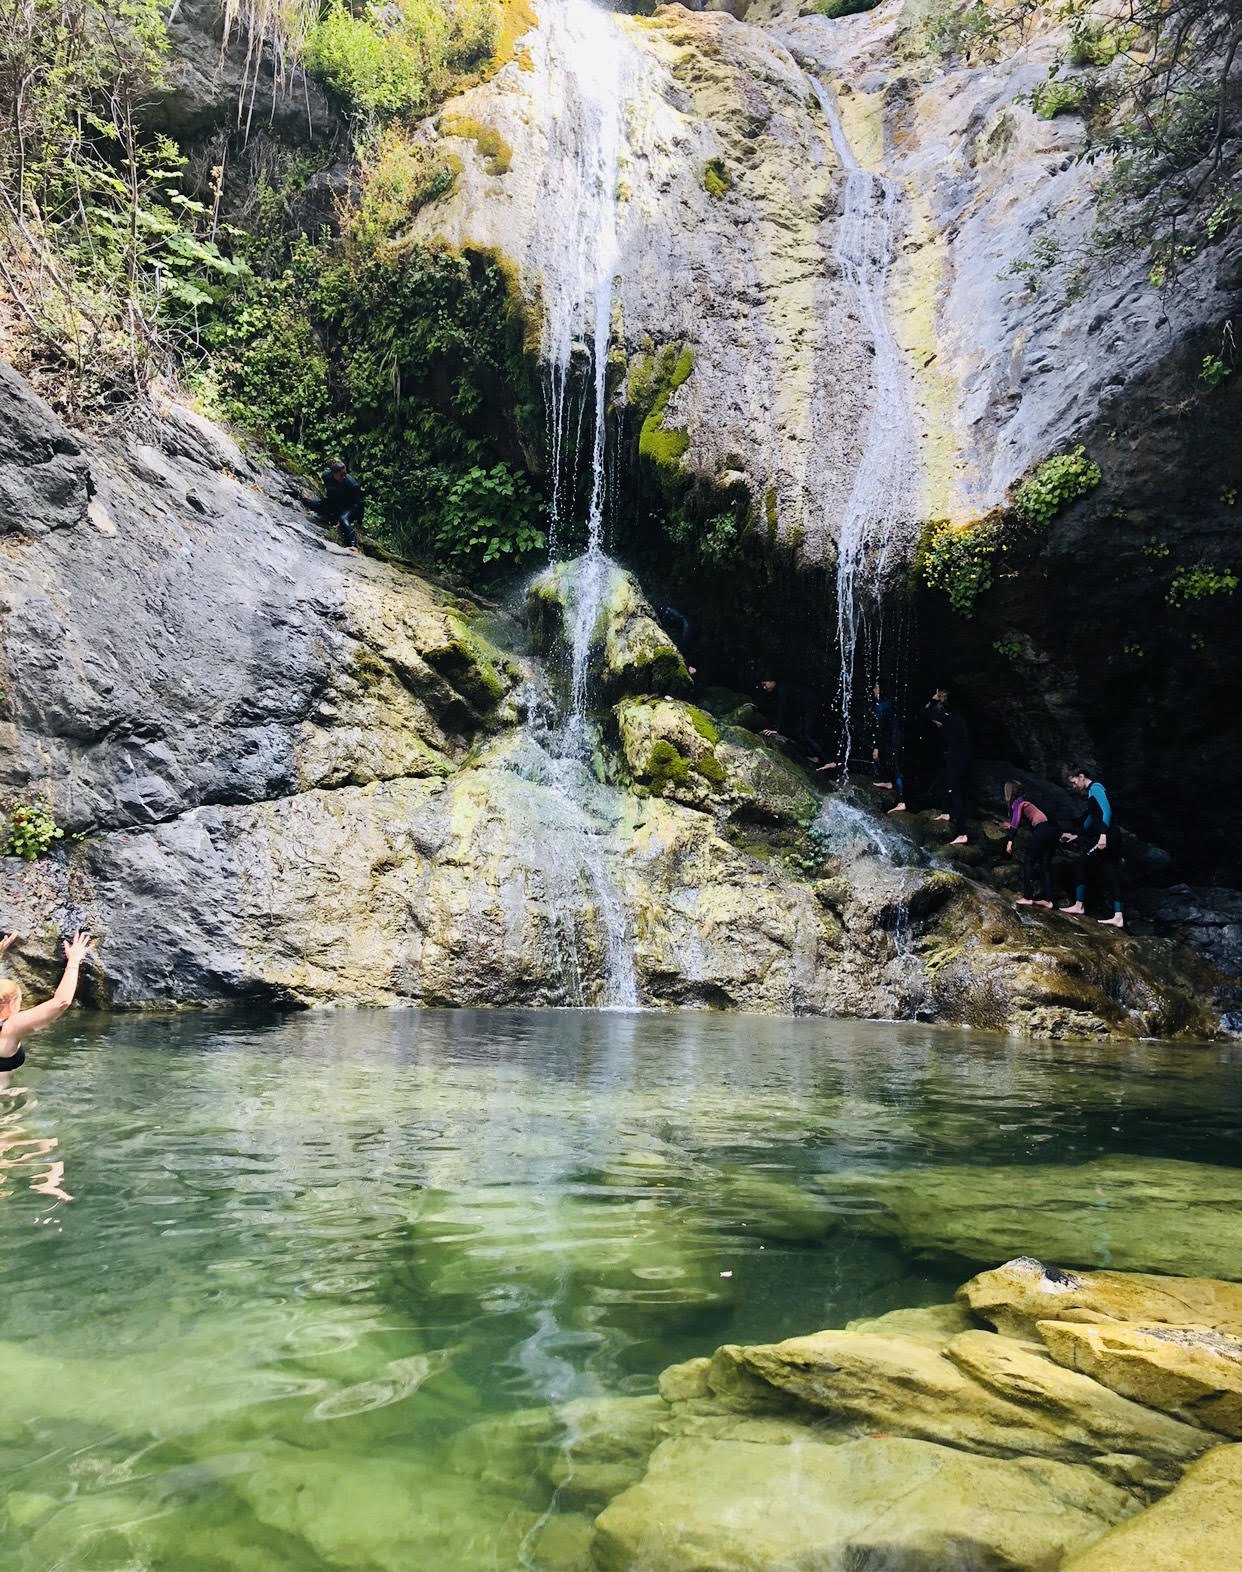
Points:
x=1060, y=96
x=835, y=8
x=957, y=560
x=1056, y=483
x=32, y=831
x=1200, y=583
x=399, y=360
x=717, y=181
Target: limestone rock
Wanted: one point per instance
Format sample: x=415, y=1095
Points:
x=935, y=1324
x=830, y=1507
x=238, y=75
x=1192, y=1372
x=983, y=1393
x=670, y=749
x=1196, y=1528
x=1013, y=1298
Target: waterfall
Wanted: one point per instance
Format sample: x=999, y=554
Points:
x=883, y=502
x=588, y=72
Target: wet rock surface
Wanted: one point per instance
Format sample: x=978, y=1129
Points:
x=917, y=1439
x=303, y=777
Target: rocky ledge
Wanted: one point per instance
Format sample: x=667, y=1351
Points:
x=291, y=775
x=1046, y=1420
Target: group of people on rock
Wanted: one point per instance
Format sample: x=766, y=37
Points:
x=796, y=713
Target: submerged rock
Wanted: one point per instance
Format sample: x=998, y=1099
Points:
x=1142, y=1213
x=1197, y=1528
x=885, y=1501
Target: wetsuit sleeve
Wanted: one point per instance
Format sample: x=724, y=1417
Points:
x=1100, y=797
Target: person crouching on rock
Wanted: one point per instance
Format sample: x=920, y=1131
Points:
x=1040, y=844
x=17, y=1024
x=797, y=716
x=342, y=502
x=1097, y=837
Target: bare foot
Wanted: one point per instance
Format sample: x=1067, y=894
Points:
x=961, y=840
x=1024, y=900
x=883, y=785
x=1076, y=910
x=1047, y=905
x=1115, y=921
x=899, y=808
x=942, y=818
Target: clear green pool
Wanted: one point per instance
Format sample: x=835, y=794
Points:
x=285, y=1295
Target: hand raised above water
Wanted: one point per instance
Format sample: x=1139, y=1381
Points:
x=79, y=947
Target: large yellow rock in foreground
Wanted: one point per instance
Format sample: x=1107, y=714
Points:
x=1196, y=1528
x=1193, y=1372
x=983, y=1393
x=881, y=1502
x=1014, y=1297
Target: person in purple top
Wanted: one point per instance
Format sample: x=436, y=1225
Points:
x=1040, y=844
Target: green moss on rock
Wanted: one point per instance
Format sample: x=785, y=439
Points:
x=717, y=181
x=664, y=446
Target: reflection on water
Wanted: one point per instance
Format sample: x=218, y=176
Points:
x=319, y=1278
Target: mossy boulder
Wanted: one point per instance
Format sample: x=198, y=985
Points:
x=629, y=651
x=669, y=748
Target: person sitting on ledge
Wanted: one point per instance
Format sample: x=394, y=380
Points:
x=798, y=709
x=16, y=1023
x=342, y=502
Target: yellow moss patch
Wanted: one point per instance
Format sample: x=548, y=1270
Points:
x=493, y=149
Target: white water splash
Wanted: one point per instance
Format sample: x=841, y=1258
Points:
x=883, y=503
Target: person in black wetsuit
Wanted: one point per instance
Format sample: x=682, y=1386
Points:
x=796, y=714
x=17, y=1024
x=1040, y=844
x=886, y=755
x=956, y=741
x=1098, y=839
x=342, y=502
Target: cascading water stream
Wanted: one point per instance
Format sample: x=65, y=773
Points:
x=883, y=502
x=588, y=71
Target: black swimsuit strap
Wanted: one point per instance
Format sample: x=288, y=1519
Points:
x=14, y=1061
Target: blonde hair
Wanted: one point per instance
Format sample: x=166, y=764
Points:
x=10, y=998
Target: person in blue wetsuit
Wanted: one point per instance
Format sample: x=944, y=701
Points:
x=886, y=755
x=1097, y=842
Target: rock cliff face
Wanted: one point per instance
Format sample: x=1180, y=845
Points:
x=305, y=776
x=1020, y=337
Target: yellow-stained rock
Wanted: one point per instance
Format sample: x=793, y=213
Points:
x=984, y=1394
x=1193, y=1372
x=1197, y=1528
x=1014, y=1297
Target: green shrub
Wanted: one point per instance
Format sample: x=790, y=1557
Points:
x=1214, y=371
x=958, y=561
x=835, y=8
x=950, y=29
x=32, y=831
x=1054, y=485
x=1200, y=583
x=1092, y=43
x=374, y=68
x=1057, y=96
x=717, y=180
x=410, y=362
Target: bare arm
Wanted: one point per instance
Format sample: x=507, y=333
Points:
x=7, y=943
x=27, y=1021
